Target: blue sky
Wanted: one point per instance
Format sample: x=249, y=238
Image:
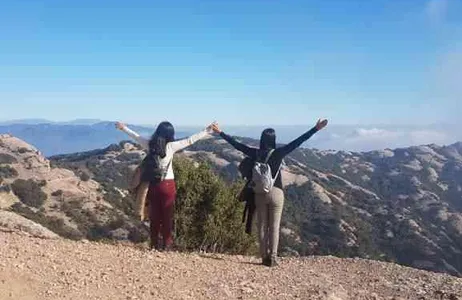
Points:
x=238, y=62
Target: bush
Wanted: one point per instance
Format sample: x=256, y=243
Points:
x=42, y=183
x=54, y=224
x=57, y=193
x=29, y=192
x=8, y=172
x=130, y=157
x=116, y=223
x=138, y=234
x=7, y=159
x=208, y=215
x=23, y=150
x=114, y=198
x=84, y=176
x=88, y=223
x=5, y=188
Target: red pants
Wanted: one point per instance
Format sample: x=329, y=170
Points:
x=161, y=197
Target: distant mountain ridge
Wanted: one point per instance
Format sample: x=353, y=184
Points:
x=59, y=138
x=86, y=134
x=45, y=121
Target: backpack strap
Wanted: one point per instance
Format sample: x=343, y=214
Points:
x=268, y=156
x=279, y=170
x=280, y=165
x=165, y=171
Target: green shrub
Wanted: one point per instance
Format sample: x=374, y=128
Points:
x=88, y=223
x=23, y=150
x=54, y=224
x=8, y=172
x=138, y=234
x=29, y=192
x=57, y=193
x=116, y=223
x=7, y=159
x=5, y=188
x=208, y=215
x=84, y=176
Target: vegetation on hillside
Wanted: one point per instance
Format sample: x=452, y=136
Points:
x=29, y=192
x=208, y=215
x=8, y=172
x=7, y=159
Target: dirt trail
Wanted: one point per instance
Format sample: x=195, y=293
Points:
x=34, y=269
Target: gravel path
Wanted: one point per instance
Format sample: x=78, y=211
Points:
x=32, y=268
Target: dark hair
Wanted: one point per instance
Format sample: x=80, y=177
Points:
x=268, y=139
x=165, y=133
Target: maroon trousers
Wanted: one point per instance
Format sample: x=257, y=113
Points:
x=161, y=197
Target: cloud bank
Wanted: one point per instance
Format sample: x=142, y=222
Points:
x=362, y=138
x=375, y=138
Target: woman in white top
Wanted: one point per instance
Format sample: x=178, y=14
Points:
x=162, y=191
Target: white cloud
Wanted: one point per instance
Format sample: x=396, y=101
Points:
x=436, y=10
x=376, y=138
x=364, y=138
x=374, y=133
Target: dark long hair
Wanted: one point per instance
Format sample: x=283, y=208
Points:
x=268, y=139
x=164, y=134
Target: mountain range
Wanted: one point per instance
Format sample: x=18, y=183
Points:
x=75, y=136
x=54, y=138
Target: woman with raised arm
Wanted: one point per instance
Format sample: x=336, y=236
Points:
x=157, y=173
x=269, y=195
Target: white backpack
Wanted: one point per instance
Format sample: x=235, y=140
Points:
x=262, y=177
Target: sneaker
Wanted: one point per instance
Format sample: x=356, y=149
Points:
x=273, y=262
x=154, y=246
x=266, y=261
x=169, y=248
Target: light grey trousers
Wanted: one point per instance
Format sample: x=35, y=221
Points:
x=269, y=211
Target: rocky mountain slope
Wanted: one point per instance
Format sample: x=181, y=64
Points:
x=402, y=205
x=62, y=269
x=71, y=205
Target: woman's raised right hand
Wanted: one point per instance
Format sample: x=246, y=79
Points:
x=216, y=128
x=120, y=125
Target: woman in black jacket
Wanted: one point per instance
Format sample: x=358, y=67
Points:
x=269, y=205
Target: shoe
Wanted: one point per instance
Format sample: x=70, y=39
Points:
x=169, y=248
x=154, y=246
x=270, y=261
x=273, y=262
x=266, y=261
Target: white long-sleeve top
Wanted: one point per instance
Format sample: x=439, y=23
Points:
x=171, y=148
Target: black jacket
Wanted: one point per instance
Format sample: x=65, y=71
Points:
x=247, y=195
x=278, y=155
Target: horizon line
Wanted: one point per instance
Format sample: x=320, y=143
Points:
x=93, y=121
